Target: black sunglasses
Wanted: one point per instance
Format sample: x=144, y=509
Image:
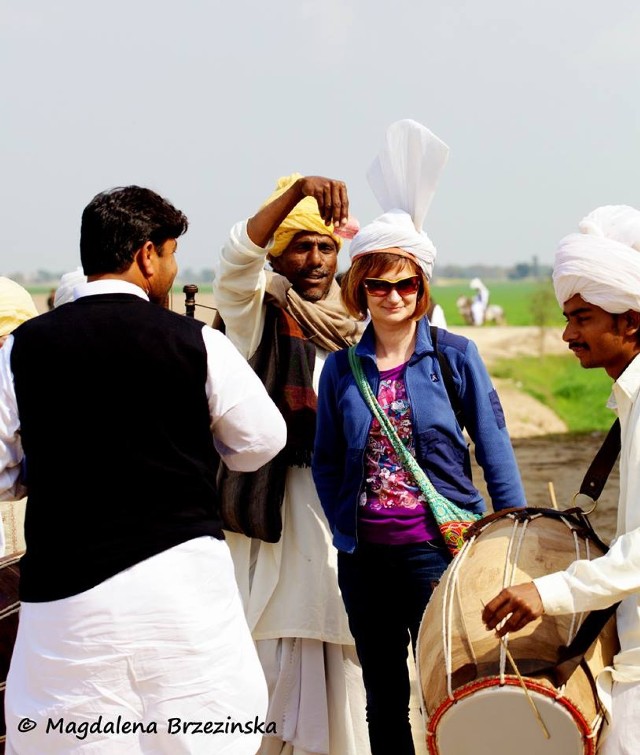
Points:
x=383, y=287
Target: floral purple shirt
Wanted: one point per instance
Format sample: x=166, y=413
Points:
x=392, y=509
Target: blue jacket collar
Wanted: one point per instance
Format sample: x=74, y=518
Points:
x=366, y=347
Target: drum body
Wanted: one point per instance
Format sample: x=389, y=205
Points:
x=473, y=699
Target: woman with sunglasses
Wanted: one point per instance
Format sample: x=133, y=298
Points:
x=390, y=551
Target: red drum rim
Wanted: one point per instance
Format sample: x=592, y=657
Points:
x=466, y=690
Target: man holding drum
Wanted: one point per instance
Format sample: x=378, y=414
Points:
x=597, y=283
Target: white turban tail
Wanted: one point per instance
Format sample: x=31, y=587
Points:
x=602, y=262
x=404, y=177
x=64, y=292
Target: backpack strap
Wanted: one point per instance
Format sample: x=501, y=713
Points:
x=447, y=376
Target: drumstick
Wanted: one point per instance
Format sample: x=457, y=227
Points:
x=552, y=495
x=530, y=700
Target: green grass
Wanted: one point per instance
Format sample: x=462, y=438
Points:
x=515, y=297
x=576, y=395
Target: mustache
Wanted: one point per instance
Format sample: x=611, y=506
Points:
x=314, y=272
x=573, y=345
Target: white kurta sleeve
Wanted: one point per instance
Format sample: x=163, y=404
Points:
x=248, y=429
x=239, y=287
x=11, y=453
x=589, y=585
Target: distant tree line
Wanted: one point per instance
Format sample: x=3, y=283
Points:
x=52, y=277
x=518, y=271
x=205, y=275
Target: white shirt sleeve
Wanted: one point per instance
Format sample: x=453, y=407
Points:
x=11, y=453
x=248, y=429
x=239, y=289
x=437, y=317
x=589, y=585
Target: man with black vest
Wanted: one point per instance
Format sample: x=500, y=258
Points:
x=115, y=412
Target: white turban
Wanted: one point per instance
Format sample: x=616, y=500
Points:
x=602, y=262
x=68, y=281
x=404, y=178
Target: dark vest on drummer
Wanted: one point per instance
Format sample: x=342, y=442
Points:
x=120, y=460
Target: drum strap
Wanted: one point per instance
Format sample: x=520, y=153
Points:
x=571, y=656
x=447, y=377
x=601, y=466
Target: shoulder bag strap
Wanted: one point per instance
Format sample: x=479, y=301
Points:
x=447, y=377
x=440, y=506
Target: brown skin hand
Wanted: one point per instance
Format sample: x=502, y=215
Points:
x=330, y=194
x=521, y=603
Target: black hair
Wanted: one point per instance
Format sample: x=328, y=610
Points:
x=117, y=222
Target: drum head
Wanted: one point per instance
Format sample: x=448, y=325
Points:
x=499, y=720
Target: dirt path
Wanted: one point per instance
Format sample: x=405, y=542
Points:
x=544, y=450
x=525, y=416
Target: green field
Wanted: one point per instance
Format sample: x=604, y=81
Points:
x=576, y=395
x=515, y=297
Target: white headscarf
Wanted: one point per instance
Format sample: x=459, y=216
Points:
x=64, y=292
x=404, y=178
x=602, y=262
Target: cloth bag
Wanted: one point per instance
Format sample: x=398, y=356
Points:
x=452, y=520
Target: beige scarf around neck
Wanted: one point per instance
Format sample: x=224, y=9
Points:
x=327, y=322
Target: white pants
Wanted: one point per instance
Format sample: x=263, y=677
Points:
x=124, y=666
x=623, y=737
x=477, y=312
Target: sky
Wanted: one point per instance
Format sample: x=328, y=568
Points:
x=209, y=102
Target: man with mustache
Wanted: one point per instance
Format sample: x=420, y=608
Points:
x=597, y=283
x=286, y=320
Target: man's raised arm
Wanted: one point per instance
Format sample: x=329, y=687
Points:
x=331, y=196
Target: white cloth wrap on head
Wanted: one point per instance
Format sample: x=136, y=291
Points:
x=64, y=292
x=395, y=229
x=602, y=263
x=404, y=177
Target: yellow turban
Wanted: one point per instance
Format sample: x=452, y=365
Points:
x=303, y=217
x=16, y=306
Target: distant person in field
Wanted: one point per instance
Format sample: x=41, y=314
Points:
x=435, y=314
x=479, y=302
x=597, y=284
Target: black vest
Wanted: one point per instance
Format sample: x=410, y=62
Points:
x=120, y=461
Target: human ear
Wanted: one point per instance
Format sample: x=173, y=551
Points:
x=632, y=322
x=144, y=258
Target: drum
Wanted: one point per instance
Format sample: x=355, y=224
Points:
x=9, y=610
x=474, y=701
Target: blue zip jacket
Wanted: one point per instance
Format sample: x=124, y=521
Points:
x=344, y=421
